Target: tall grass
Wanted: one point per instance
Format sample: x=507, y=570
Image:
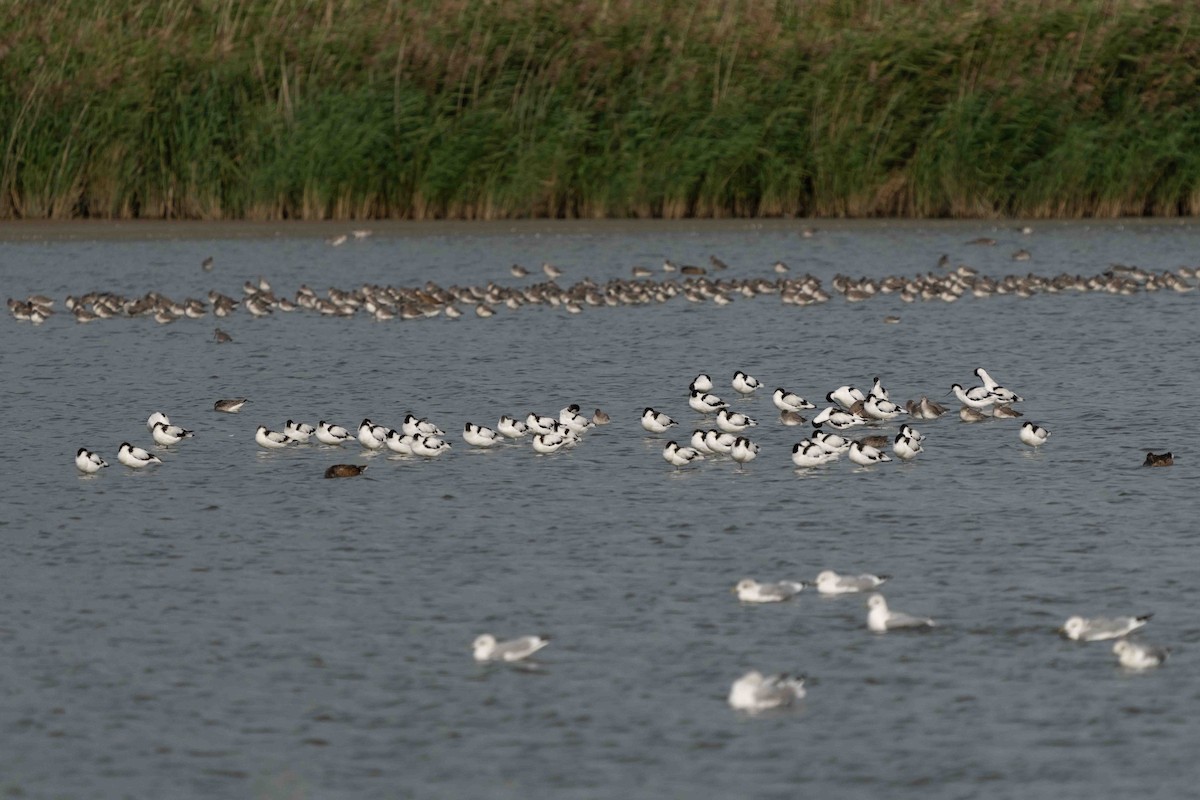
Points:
x=315, y=109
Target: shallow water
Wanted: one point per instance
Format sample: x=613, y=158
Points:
x=232, y=624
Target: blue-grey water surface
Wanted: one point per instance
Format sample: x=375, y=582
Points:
x=230, y=624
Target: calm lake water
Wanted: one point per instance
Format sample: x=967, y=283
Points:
x=231, y=624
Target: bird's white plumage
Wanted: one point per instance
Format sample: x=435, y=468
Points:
x=487, y=648
x=749, y=590
x=678, y=456
x=1097, y=629
x=271, y=440
x=1136, y=655
x=1033, y=435
x=880, y=618
x=830, y=582
x=136, y=457
x=88, y=462
x=754, y=692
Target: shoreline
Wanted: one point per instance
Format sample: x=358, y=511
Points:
x=30, y=231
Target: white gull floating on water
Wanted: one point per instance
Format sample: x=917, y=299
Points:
x=881, y=619
x=486, y=648
x=1096, y=629
x=749, y=590
x=753, y=692
x=829, y=582
x=1135, y=655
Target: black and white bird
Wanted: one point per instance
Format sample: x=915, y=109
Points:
x=977, y=397
x=412, y=426
x=399, y=443
x=744, y=451
x=810, y=454
x=540, y=424
x=479, y=436
x=332, y=434
x=546, y=443
x=701, y=383
x=271, y=440
x=166, y=435
x=428, y=446
x=837, y=418
x=370, y=435
x=136, y=457
x=678, y=456
x=1002, y=395
x=733, y=421
x=905, y=447
x=845, y=396
x=299, y=432
x=88, y=462
x=865, y=455
x=744, y=384
x=1034, y=435
x=720, y=443
x=655, y=421
x=156, y=418
x=705, y=402
x=788, y=401
x=511, y=428
x=830, y=442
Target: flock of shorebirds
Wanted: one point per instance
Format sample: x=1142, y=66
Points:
x=850, y=408
x=755, y=692
x=728, y=435
x=420, y=437
x=696, y=284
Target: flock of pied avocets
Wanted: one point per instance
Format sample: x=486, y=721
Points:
x=851, y=409
x=420, y=437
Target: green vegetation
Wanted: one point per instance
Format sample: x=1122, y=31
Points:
x=313, y=109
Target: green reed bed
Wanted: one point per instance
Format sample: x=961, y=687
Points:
x=319, y=109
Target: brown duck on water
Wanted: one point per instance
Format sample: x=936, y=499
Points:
x=1156, y=460
x=345, y=470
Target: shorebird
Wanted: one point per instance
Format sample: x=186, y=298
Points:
x=486, y=648
x=1096, y=629
x=753, y=692
x=829, y=582
x=881, y=619
x=749, y=590
x=88, y=462
x=1033, y=435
